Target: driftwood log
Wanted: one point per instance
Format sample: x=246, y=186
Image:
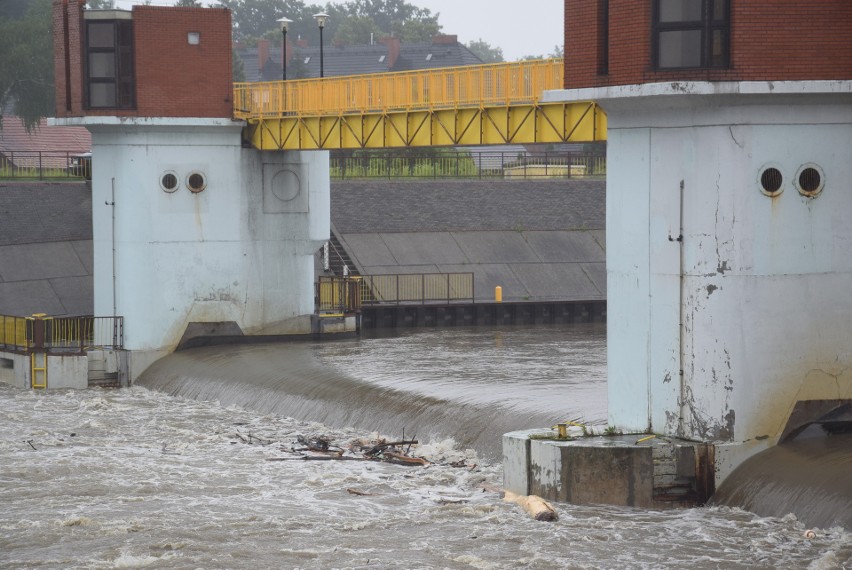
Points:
x=538, y=508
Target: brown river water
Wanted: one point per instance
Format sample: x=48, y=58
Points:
x=175, y=472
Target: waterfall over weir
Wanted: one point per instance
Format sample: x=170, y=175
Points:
x=810, y=476
x=471, y=385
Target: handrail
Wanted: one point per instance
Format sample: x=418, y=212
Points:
x=60, y=334
x=15, y=333
x=351, y=293
x=478, y=86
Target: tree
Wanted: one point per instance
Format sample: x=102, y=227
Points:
x=100, y=4
x=397, y=17
x=26, y=67
x=189, y=3
x=253, y=18
x=356, y=30
x=238, y=70
x=557, y=52
x=484, y=51
x=409, y=31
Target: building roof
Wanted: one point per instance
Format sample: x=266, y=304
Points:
x=263, y=63
x=46, y=145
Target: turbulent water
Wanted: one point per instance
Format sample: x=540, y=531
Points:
x=811, y=475
x=471, y=384
x=139, y=478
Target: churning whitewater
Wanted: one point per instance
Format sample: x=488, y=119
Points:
x=140, y=478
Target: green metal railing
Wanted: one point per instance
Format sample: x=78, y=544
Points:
x=45, y=165
x=465, y=164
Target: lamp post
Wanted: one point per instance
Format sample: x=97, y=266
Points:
x=283, y=23
x=321, y=19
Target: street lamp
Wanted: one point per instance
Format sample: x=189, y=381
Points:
x=321, y=19
x=283, y=23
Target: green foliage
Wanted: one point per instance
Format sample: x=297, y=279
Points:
x=238, y=71
x=189, y=3
x=100, y=4
x=412, y=31
x=13, y=9
x=485, y=51
x=253, y=18
x=356, y=30
x=556, y=53
x=26, y=66
x=396, y=17
x=349, y=22
x=403, y=163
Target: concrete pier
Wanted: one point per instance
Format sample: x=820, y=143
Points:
x=637, y=470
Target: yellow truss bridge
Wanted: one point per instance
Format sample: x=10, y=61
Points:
x=472, y=105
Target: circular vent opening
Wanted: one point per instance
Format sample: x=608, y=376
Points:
x=771, y=181
x=810, y=180
x=196, y=182
x=169, y=182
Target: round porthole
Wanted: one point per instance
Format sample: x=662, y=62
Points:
x=169, y=181
x=810, y=180
x=196, y=181
x=771, y=181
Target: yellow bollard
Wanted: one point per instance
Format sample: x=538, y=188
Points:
x=498, y=294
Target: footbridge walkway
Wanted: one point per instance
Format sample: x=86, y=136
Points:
x=491, y=104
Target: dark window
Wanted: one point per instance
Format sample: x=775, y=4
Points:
x=109, y=64
x=691, y=34
x=603, y=37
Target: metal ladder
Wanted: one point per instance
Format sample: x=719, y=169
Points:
x=38, y=368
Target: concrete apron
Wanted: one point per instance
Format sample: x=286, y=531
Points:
x=634, y=470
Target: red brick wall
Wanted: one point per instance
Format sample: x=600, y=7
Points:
x=173, y=78
x=67, y=16
x=774, y=40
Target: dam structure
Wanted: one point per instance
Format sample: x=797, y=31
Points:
x=728, y=259
x=210, y=199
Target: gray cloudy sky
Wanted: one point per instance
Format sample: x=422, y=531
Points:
x=531, y=27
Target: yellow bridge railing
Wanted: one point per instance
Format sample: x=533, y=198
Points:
x=450, y=87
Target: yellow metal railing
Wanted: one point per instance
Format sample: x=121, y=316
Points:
x=349, y=294
x=479, y=86
x=14, y=333
x=338, y=295
x=41, y=332
x=417, y=288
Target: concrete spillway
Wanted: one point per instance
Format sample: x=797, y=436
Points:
x=809, y=476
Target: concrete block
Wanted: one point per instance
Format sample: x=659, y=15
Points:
x=15, y=369
x=67, y=371
x=516, y=449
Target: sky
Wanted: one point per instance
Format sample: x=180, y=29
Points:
x=532, y=27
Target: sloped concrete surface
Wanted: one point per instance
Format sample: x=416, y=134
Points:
x=537, y=239
x=394, y=206
x=45, y=249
